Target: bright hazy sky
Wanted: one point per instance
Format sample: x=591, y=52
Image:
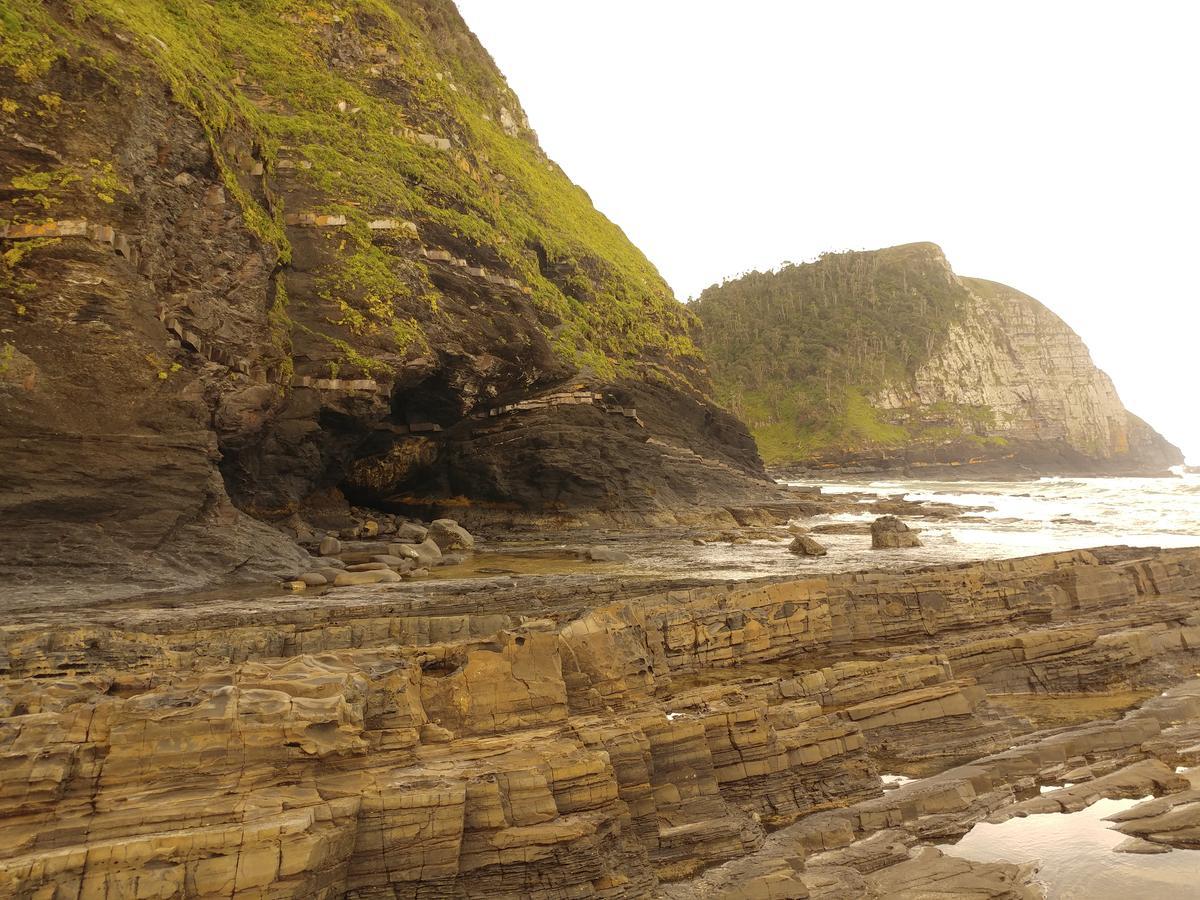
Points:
x=1052, y=146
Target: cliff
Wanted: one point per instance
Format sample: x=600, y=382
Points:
x=261, y=257
x=889, y=359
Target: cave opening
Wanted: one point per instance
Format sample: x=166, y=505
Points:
x=429, y=406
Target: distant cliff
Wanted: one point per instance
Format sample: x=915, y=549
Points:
x=888, y=359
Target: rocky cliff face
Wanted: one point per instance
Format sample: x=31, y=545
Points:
x=933, y=369
x=257, y=257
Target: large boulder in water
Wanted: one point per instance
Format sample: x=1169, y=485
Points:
x=889, y=533
x=803, y=545
x=449, y=535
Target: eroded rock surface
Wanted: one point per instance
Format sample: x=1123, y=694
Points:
x=404, y=740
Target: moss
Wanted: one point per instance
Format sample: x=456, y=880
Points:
x=28, y=44
x=104, y=182
x=13, y=284
x=7, y=354
x=43, y=189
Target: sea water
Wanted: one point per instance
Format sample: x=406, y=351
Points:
x=1020, y=518
x=1076, y=859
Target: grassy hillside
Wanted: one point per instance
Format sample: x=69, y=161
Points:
x=347, y=88
x=796, y=352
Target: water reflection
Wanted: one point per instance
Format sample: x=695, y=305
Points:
x=1077, y=860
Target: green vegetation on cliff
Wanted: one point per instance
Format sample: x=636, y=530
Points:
x=795, y=352
x=395, y=110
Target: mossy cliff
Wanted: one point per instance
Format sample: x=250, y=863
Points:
x=254, y=249
x=888, y=359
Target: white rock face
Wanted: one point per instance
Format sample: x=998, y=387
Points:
x=1027, y=373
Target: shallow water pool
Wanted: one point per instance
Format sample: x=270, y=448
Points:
x=1077, y=861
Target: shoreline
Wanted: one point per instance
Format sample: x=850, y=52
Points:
x=677, y=739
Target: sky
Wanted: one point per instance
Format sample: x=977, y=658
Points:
x=1054, y=147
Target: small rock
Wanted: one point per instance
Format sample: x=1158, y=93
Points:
x=700, y=542
x=889, y=533
x=372, y=576
x=329, y=573
x=369, y=529
x=330, y=546
x=390, y=577
x=367, y=567
x=314, y=579
x=294, y=585
x=418, y=573
x=803, y=545
x=398, y=563
x=449, y=535
x=606, y=554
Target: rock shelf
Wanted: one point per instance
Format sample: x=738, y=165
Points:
x=407, y=739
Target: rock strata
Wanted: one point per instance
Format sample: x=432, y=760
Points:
x=409, y=739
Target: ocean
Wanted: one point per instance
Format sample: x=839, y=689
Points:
x=1020, y=518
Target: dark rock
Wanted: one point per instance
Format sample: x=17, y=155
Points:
x=803, y=545
x=889, y=533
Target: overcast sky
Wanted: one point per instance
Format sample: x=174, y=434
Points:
x=1050, y=146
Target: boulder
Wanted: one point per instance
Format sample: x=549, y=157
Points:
x=330, y=546
x=314, y=579
x=803, y=545
x=449, y=535
x=427, y=553
x=411, y=532
x=889, y=533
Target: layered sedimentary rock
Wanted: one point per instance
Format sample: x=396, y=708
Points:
x=404, y=740
x=252, y=256
x=888, y=359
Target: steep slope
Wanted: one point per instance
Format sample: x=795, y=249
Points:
x=888, y=359
x=269, y=252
